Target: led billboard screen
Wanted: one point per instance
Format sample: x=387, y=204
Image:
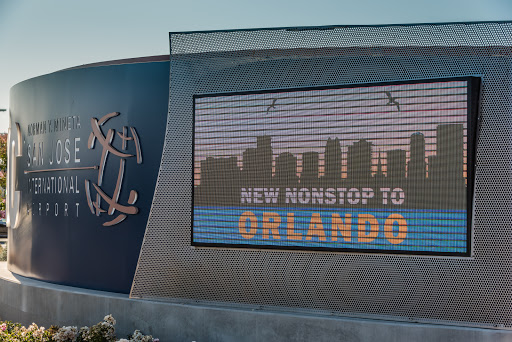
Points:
x=376, y=167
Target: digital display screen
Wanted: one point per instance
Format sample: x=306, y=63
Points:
x=374, y=168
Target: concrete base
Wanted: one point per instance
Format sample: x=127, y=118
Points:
x=26, y=300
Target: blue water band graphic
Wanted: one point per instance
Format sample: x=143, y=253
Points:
x=437, y=231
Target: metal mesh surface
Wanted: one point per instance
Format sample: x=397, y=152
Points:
x=468, y=291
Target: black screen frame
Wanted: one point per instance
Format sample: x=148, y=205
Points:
x=473, y=128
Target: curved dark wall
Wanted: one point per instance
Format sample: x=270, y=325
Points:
x=58, y=235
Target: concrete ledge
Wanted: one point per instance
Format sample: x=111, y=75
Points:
x=26, y=300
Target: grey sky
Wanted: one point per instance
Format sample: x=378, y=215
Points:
x=40, y=37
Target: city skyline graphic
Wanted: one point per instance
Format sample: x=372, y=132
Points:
x=408, y=136
x=301, y=121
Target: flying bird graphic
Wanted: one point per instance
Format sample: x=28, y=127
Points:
x=392, y=100
x=273, y=105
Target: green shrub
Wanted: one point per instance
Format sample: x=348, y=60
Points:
x=101, y=332
x=3, y=253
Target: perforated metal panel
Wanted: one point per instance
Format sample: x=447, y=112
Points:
x=468, y=291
